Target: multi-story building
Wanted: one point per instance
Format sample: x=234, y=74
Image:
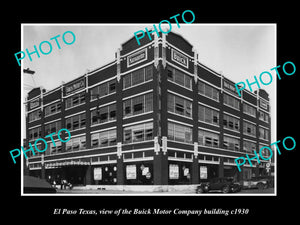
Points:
x=155, y=115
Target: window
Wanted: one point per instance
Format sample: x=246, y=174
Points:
x=104, y=139
x=179, y=77
x=208, y=115
x=249, y=146
x=75, y=100
x=170, y=74
x=231, y=122
x=188, y=82
x=263, y=104
x=231, y=101
x=76, y=143
x=95, y=140
x=112, y=137
x=35, y=115
x=179, y=105
x=264, y=116
x=52, y=127
x=138, y=133
x=138, y=77
x=207, y=138
x=208, y=91
x=249, y=129
x=54, y=149
x=231, y=143
x=35, y=133
x=53, y=108
x=127, y=81
x=178, y=132
x=148, y=131
x=265, y=152
x=127, y=135
x=76, y=122
x=103, y=89
x=103, y=114
x=263, y=133
x=138, y=105
x=250, y=110
x=103, y=136
x=112, y=86
x=127, y=108
x=230, y=87
x=149, y=73
x=148, y=102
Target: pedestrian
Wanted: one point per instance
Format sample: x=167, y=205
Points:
x=54, y=184
x=70, y=185
x=65, y=183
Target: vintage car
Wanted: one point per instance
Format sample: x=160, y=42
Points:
x=223, y=184
x=256, y=182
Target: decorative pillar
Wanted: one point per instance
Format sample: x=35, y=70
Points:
x=221, y=167
x=195, y=165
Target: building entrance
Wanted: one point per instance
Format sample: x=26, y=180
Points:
x=74, y=174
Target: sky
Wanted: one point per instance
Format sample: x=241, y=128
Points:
x=238, y=51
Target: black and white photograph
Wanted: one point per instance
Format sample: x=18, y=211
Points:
x=152, y=114
x=153, y=118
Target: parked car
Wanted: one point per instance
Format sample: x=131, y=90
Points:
x=223, y=184
x=37, y=185
x=257, y=182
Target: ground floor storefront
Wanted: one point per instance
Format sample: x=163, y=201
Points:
x=150, y=171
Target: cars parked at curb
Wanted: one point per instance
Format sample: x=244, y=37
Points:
x=222, y=184
x=257, y=182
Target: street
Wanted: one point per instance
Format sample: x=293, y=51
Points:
x=114, y=192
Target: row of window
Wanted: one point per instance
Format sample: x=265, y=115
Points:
x=108, y=113
x=144, y=103
x=211, y=139
x=182, y=133
x=144, y=132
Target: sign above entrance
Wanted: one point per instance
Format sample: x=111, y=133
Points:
x=66, y=163
x=179, y=58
